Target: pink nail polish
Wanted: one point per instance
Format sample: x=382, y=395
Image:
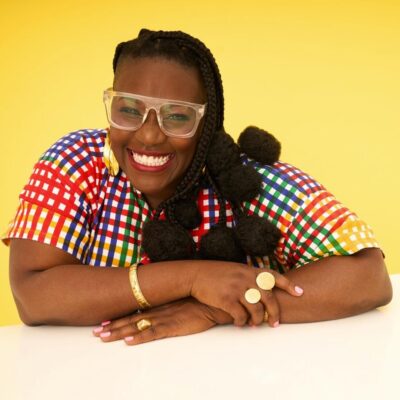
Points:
x=98, y=329
x=276, y=324
x=128, y=338
x=105, y=323
x=298, y=290
x=105, y=334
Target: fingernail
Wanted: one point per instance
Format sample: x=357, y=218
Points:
x=105, y=334
x=276, y=324
x=105, y=323
x=298, y=290
x=128, y=338
x=98, y=329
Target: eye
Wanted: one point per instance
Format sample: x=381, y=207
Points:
x=134, y=112
x=177, y=117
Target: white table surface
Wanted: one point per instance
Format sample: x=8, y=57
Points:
x=352, y=358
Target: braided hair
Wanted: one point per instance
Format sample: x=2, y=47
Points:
x=216, y=164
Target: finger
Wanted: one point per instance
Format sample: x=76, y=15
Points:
x=255, y=311
x=115, y=332
x=154, y=332
x=271, y=307
x=239, y=314
x=111, y=325
x=119, y=333
x=285, y=284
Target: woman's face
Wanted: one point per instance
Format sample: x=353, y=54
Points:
x=165, y=79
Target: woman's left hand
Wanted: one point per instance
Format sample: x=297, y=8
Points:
x=183, y=317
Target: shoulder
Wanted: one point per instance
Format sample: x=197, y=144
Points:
x=74, y=162
x=285, y=191
x=76, y=154
x=285, y=177
x=76, y=146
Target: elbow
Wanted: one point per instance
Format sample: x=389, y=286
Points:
x=385, y=294
x=24, y=301
x=28, y=321
x=25, y=313
x=378, y=289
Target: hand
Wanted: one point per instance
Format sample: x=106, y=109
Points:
x=223, y=286
x=183, y=317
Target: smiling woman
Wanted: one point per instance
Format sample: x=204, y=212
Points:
x=160, y=151
x=206, y=231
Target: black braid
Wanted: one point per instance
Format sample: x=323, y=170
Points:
x=210, y=73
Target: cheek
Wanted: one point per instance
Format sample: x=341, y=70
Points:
x=184, y=150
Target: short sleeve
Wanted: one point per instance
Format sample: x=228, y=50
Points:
x=57, y=204
x=324, y=227
x=313, y=223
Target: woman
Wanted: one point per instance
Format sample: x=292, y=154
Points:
x=166, y=189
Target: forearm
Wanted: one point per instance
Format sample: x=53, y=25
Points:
x=73, y=295
x=336, y=287
x=85, y=295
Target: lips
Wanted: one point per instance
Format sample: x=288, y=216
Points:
x=151, y=162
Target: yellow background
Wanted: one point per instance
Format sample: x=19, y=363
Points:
x=323, y=76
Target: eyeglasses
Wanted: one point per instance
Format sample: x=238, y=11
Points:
x=129, y=111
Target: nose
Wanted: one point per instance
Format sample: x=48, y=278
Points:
x=150, y=133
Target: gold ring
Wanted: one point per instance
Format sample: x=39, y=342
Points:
x=143, y=324
x=266, y=317
x=252, y=296
x=265, y=281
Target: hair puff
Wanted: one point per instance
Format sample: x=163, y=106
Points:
x=163, y=241
x=220, y=243
x=222, y=153
x=259, y=145
x=240, y=183
x=187, y=214
x=264, y=235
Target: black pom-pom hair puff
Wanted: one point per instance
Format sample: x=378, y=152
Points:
x=234, y=182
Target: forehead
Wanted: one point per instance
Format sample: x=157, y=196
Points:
x=158, y=77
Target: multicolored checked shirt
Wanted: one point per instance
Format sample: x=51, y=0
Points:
x=73, y=203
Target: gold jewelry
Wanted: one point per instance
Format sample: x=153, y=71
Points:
x=252, y=296
x=143, y=324
x=137, y=293
x=265, y=281
x=266, y=317
x=109, y=158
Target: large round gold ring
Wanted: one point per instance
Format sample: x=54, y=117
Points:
x=252, y=296
x=265, y=281
x=143, y=324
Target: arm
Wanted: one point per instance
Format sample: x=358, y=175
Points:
x=337, y=287
x=179, y=318
x=52, y=287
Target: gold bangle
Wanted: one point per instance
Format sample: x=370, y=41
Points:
x=137, y=293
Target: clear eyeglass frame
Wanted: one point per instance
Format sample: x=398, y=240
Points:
x=152, y=103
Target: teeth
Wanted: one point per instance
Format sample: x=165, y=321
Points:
x=150, y=161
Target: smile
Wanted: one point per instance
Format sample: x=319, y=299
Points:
x=150, y=161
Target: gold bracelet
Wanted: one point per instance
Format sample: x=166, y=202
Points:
x=137, y=293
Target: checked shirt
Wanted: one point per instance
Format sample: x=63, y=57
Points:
x=73, y=203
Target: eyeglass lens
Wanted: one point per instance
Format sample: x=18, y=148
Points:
x=175, y=118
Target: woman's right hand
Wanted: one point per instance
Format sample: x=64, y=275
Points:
x=223, y=285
